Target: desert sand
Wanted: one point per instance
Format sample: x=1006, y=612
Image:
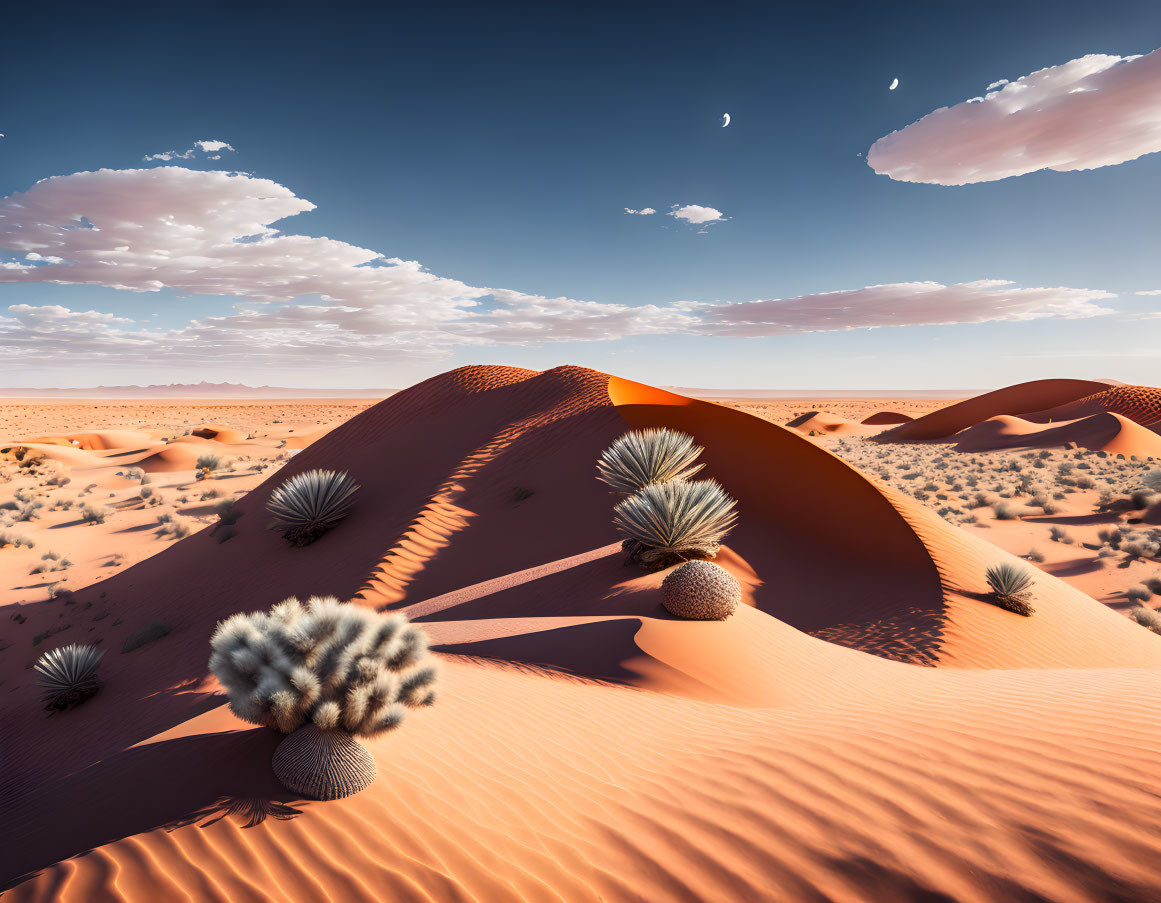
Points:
x=866, y=728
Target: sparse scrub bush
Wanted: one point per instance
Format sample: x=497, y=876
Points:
x=1139, y=593
x=95, y=514
x=1146, y=617
x=1059, y=534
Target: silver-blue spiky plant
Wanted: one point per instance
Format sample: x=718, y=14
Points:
x=337, y=665
x=310, y=503
x=666, y=523
x=641, y=457
x=68, y=675
x=1010, y=587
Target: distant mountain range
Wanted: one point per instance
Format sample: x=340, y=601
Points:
x=195, y=390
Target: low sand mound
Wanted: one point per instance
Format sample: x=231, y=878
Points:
x=1141, y=404
x=102, y=440
x=831, y=424
x=884, y=418
x=1098, y=432
x=224, y=434
x=1020, y=399
x=480, y=517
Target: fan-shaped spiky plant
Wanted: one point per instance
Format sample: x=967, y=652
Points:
x=334, y=664
x=68, y=675
x=1010, y=588
x=667, y=523
x=642, y=457
x=309, y=503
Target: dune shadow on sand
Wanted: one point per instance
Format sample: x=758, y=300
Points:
x=170, y=784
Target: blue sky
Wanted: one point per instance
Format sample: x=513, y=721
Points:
x=499, y=147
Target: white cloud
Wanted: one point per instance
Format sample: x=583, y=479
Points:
x=900, y=304
x=317, y=302
x=696, y=214
x=644, y=211
x=204, y=146
x=1098, y=110
x=1152, y=291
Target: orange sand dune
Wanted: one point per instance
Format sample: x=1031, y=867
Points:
x=1141, y=404
x=224, y=434
x=1097, y=432
x=104, y=440
x=1023, y=398
x=881, y=418
x=822, y=422
x=794, y=752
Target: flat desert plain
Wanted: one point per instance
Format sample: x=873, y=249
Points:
x=868, y=726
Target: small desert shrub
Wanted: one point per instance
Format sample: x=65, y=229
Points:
x=1146, y=617
x=310, y=503
x=642, y=457
x=172, y=525
x=68, y=675
x=16, y=540
x=1035, y=555
x=1139, y=593
x=95, y=514
x=1003, y=511
x=226, y=512
x=154, y=630
x=336, y=665
x=1059, y=534
x=667, y=523
x=208, y=462
x=1010, y=588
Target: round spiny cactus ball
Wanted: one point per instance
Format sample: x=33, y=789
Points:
x=700, y=591
x=323, y=764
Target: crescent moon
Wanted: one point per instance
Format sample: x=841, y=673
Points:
x=894, y=85
x=725, y=120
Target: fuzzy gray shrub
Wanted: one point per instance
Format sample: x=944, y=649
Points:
x=337, y=665
x=310, y=503
x=68, y=676
x=208, y=462
x=642, y=457
x=666, y=523
x=95, y=514
x=16, y=540
x=1146, y=617
x=1010, y=587
x=1139, y=593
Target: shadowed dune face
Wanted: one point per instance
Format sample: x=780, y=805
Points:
x=1024, y=398
x=789, y=492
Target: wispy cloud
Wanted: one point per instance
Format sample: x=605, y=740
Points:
x=211, y=149
x=644, y=211
x=1098, y=110
x=1150, y=292
x=317, y=302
